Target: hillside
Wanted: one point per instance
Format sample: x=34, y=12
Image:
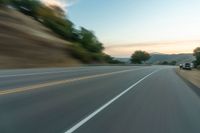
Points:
x=157, y=58
x=179, y=58
x=27, y=43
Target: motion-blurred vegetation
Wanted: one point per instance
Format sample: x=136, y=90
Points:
x=86, y=47
x=197, y=55
x=173, y=63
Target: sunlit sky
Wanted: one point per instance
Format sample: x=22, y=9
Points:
x=164, y=26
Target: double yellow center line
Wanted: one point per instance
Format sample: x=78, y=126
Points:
x=43, y=85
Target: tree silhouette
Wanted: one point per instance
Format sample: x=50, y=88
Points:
x=140, y=56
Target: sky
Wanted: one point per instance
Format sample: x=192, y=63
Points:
x=123, y=26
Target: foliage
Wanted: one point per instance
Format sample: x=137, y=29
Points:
x=3, y=2
x=140, y=56
x=197, y=55
x=66, y=33
x=164, y=63
x=86, y=46
x=80, y=53
x=111, y=60
x=172, y=63
x=168, y=63
x=89, y=41
x=198, y=67
x=28, y=7
x=58, y=11
x=85, y=56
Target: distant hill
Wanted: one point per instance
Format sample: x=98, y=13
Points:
x=158, y=57
x=179, y=58
x=125, y=60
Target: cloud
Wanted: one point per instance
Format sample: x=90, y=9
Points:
x=64, y=4
x=168, y=47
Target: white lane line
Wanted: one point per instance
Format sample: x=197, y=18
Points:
x=82, y=122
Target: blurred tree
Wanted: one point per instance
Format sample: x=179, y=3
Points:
x=197, y=55
x=173, y=63
x=140, y=56
x=4, y=2
x=111, y=60
x=86, y=45
x=28, y=7
x=58, y=11
x=89, y=41
x=165, y=63
x=54, y=19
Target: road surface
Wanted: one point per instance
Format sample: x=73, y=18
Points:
x=104, y=99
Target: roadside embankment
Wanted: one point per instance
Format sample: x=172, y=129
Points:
x=26, y=43
x=192, y=76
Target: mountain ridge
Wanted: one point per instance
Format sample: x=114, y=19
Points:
x=157, y=58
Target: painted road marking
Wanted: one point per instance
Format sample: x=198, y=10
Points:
x=39, y=73
x=42, y=85
x=82, y=122
x=50, y=72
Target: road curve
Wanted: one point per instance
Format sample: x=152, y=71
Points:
x=107, y=99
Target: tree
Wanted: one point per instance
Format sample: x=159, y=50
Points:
x=173, y=63
x=89, y=41
x=4, y=2
x=140, y=56
x=28, y=7
x=111, y=60
x=86, y=45
x=164, y=63
x=58, y=11
x=53, y=17
x=197, y=55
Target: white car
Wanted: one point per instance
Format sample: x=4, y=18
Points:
x=187, y=66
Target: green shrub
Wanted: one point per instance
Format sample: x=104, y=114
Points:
x=80, y=53
x=197, y=55
x=139, y=57
x=111, y=60
x=28, y=7
x=198, y=67
x=3, y=2
x=60, y=30
x=89, y=41
x=97, y=57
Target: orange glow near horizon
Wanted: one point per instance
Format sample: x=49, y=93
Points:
x=164, y=47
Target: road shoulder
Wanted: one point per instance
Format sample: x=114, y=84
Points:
x=191, y=78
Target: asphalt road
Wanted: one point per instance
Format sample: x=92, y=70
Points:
x=106, y=99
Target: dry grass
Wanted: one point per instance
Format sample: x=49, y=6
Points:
x=25, y=42
x=192, y=76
